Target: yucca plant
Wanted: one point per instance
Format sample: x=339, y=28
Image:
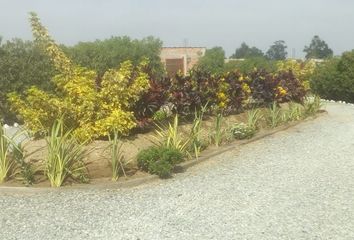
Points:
x=117, y=156
x=253, y=117
x=217, y=135
x=274, y=116
x=312, y=106
x=6, y=162
x=195, y=136
x=170, y=137
x=24, y=170
x=293, y=113
x=65, y=156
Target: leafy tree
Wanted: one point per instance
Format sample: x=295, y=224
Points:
x=102, y=55
x=318, y=49
x=277, y=51
x=244, y=51
x=22, y=64
x=213, y=60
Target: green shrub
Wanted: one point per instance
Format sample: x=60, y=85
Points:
x=161, y=168
x=334, y=79
x=147, y=156
x=159, y=160
x=91, y=111
x=242, y=131
x=213, y=60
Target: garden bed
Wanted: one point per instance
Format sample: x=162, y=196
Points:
x=97, y=160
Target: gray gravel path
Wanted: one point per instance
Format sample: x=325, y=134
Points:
x=296, y=184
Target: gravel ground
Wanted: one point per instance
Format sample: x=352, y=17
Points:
x=296, y=184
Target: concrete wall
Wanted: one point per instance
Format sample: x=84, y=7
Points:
x=190, y=55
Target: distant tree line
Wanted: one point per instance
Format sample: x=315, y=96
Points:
x=318, y=49
x=213, y=60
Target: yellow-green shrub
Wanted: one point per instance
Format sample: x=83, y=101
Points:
x=90, y=109
x=301, y=70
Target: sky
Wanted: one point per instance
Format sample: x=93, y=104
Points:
x=206, y=23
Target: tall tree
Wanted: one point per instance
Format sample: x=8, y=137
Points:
x=244, y=51
x=102, y=55
x=22, y=64
x=213, y=60
x=318, y=49
x=277, y=51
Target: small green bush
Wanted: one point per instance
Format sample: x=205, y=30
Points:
x=161, y=168
x=242, y=131
x=146, y=157
x=334, y=79
x=159, y=160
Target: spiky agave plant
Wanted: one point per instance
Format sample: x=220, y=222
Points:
x=218, y=133
x=117, y=156
x=6, y=162
x=170, y=136
x=274, y=115
x=312, y=105
x=195, y=136
x=65, y=156
x=253, y=117
x=294, y=112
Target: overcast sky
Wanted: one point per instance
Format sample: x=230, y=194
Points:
x=208, y=23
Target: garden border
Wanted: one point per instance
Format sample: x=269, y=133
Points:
x=130, y=183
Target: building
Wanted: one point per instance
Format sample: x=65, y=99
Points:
x=180, y=58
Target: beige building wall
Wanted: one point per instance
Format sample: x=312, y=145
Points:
x=188, y=55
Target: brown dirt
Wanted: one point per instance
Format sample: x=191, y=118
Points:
x=97, y=160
